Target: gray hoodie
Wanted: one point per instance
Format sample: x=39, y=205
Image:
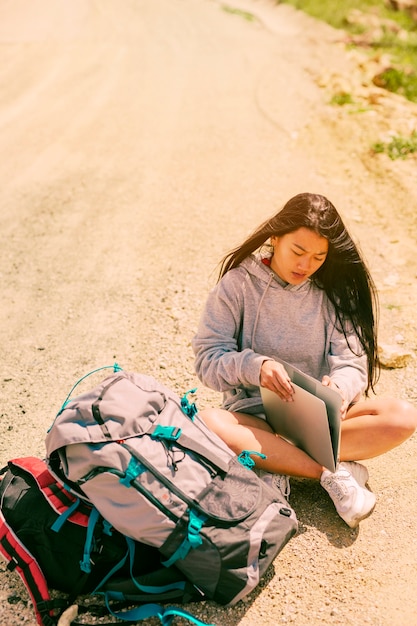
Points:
x=252, y=315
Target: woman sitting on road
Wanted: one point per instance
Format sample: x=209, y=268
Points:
x=309, y=301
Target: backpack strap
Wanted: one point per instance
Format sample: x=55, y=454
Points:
x=163, y=591
x=58, y=497
x=172, y=434
x=19, y=559
x=165, y=614
x=192, y=539
x=162, y=584
x=116, y=368
x=189, y=408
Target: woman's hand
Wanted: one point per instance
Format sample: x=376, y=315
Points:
x=327, y=382
x=274, y=377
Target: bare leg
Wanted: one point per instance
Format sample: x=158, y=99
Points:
x=246, y=432
x=371, y=428
x=375, y=426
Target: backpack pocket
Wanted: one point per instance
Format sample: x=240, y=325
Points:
x=226, y=542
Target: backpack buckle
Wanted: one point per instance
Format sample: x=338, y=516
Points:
x=166, y=433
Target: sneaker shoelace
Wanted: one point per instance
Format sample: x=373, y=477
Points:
x=337, y=486
x=282, y=482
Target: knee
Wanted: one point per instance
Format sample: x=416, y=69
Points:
x=209, y=417
x=217, y=420
x=410, y=416
x=403, y=416
x=221, y=423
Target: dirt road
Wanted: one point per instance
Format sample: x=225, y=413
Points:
x=140, y=141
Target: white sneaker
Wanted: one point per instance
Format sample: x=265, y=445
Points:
x=352, y=501
x=279, y=481
x=359, y=472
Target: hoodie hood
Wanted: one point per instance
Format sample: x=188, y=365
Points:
x=258, y=265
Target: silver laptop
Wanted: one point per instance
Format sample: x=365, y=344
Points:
x=311, y=421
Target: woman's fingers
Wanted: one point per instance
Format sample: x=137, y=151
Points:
x=327, y=382
x=274, y=377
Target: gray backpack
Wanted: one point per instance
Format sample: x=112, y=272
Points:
x=144, y=458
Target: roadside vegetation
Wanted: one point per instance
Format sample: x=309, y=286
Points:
x=375, y=25
x=398, y=147
x=384, y=29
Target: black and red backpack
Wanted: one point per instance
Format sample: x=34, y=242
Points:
x=55, y=541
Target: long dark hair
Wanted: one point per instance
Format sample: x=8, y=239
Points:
x=343, y=276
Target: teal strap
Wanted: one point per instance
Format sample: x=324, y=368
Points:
x=109, y=574
x=107, y=528
x=138, y=613
x=191, y=541
x=132, y=471
x=245, y=458
x=60, y=521
x=149, y=588
x=135, y=614
x=195, y=524
x=85, y=564
x=115, y=367
x=189, y=408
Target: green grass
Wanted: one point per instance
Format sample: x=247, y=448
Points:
x=398, y=147
x=402, y=76
x=244, y=14
x=403, y=82
x=336, y=13
x=393, y=307
x=340, y=99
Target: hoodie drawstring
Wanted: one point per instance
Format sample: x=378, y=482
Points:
x=271, y=276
